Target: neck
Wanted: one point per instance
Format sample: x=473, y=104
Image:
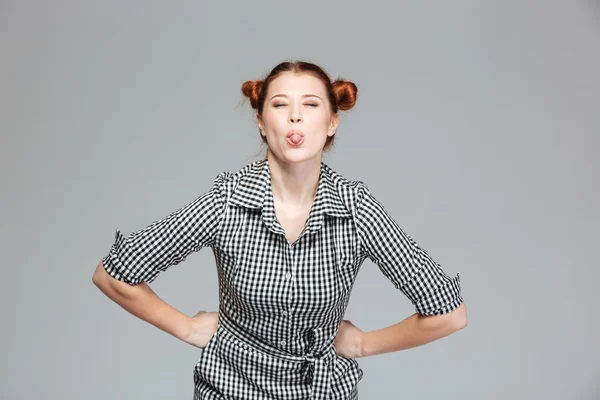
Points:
x=294, y=184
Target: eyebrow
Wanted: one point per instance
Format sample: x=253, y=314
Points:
x=304, y=96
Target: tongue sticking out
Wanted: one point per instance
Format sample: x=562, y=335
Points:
x=295, y=139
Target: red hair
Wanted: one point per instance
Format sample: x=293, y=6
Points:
x=340, y=93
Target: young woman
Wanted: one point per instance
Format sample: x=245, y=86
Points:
x=289, y=235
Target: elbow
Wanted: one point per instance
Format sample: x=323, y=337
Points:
x=446, y=323
x=98, y=276
x=460, y=317
x=102, y=280
x=112, y=286
x=450, y=321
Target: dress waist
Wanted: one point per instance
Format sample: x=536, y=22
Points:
x=320, y=365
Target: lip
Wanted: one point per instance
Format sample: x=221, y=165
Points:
x=294, y=131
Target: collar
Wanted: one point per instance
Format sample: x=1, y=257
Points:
x=254, y=191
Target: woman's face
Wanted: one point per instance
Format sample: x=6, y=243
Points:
x=297, y=117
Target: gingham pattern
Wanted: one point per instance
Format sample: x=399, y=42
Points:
x=281, y=303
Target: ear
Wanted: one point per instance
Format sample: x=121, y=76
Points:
x=335, y=120
x=260, y=124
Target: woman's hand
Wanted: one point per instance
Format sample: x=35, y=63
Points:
x=348, y=341
x=204, y=326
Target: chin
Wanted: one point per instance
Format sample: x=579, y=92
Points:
x=299, y=155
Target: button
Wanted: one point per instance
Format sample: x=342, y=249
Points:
x=283, y=342
x=288, y=275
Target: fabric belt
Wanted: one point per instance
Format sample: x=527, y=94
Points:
x=320, y=365
x=322, y=372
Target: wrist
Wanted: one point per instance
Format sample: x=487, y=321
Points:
x=187, y=329
x=363, y=347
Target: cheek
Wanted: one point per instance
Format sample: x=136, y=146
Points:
x=272, y=119
x=320, y=114
x=321, y=119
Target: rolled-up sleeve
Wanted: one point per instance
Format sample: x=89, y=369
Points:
x=144, y=254
x=403, y=261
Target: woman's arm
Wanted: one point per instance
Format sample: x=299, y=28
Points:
x=436, y=296
x=141, y=301
x=414, y=331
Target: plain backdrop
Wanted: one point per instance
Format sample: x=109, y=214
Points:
x=476, y=125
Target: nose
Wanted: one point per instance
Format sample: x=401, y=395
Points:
x=295, y=114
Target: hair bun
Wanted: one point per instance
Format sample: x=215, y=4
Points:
x=345, y=94
x=252, y=89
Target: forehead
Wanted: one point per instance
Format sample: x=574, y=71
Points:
x=291, y=83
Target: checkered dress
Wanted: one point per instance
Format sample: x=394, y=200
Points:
x=281, y=303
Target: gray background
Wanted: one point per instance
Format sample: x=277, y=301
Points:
x=476, y=126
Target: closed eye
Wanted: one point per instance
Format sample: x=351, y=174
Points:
x=308, y=104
